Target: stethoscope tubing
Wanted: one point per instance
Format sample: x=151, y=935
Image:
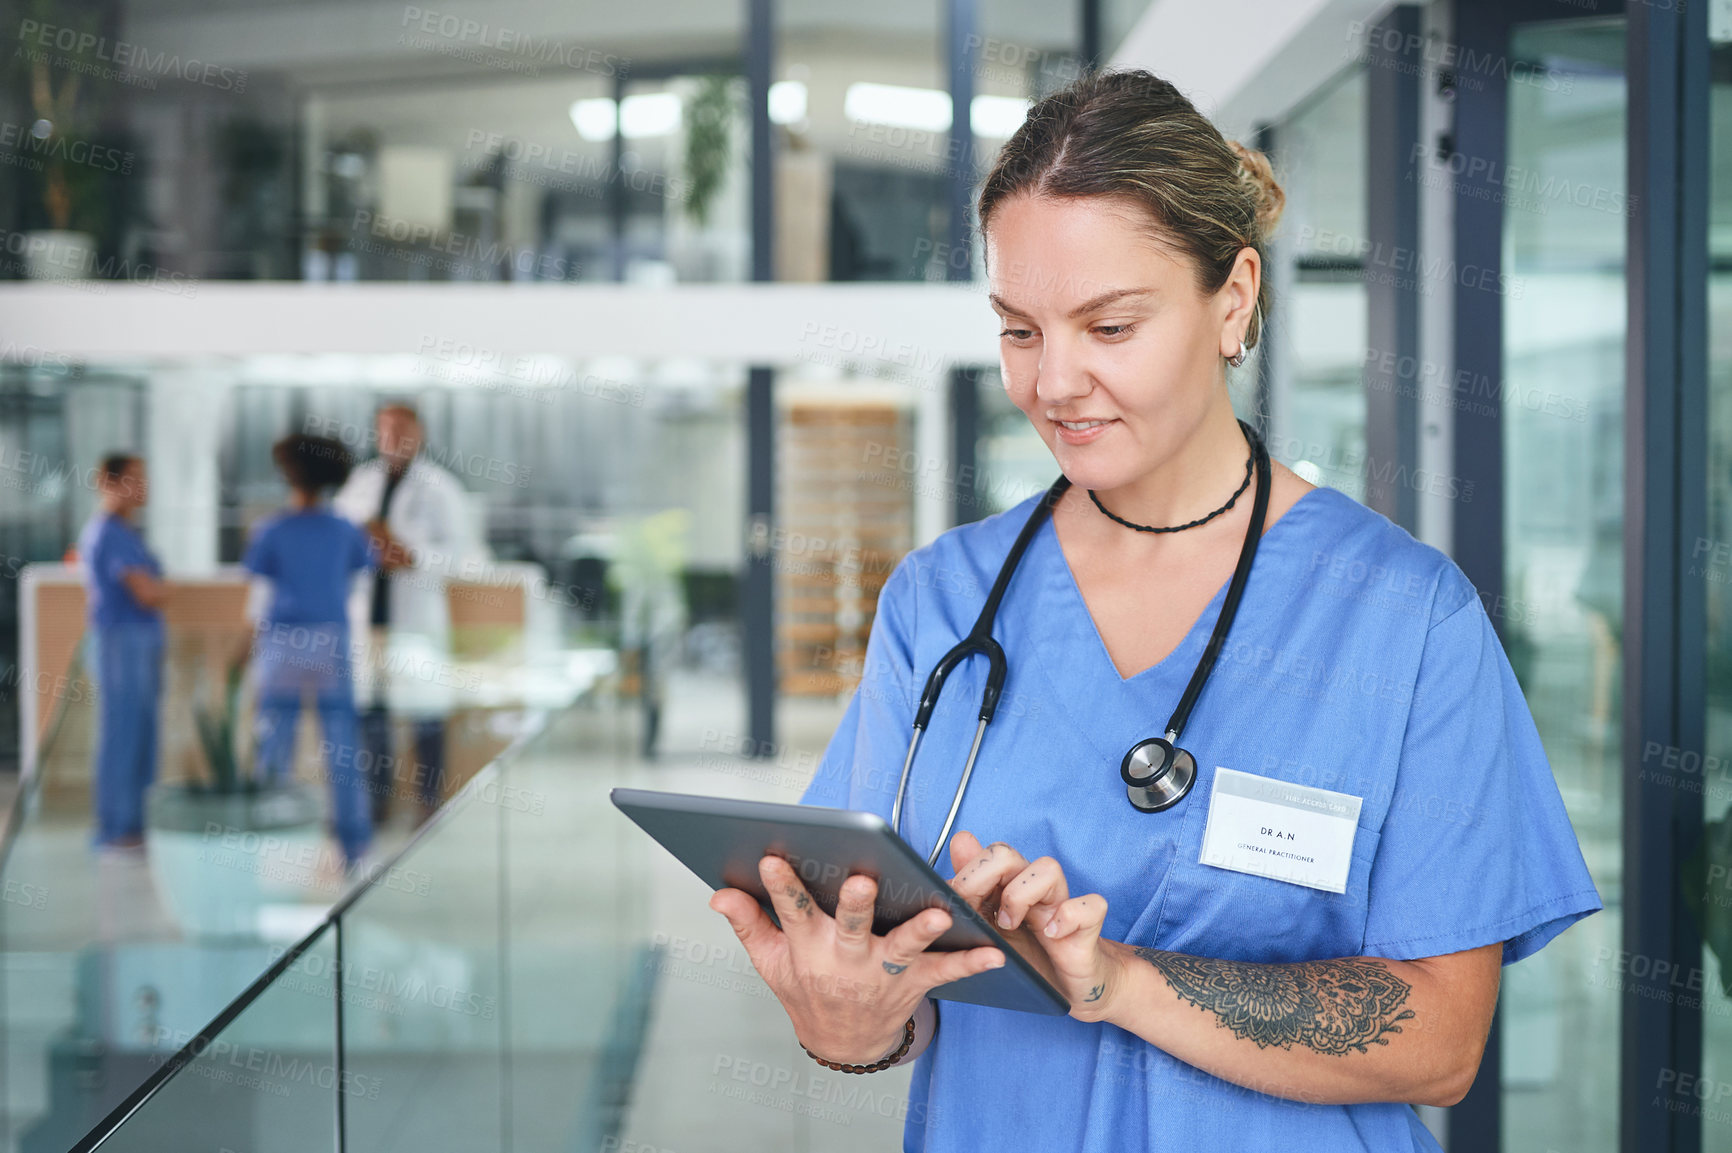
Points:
x=979, y=642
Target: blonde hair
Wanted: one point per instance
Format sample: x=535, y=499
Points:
x=1132, y=135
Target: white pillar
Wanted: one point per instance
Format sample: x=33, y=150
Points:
x=183, y=436
x=932, y=511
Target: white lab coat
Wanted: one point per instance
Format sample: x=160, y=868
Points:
x=430, y=513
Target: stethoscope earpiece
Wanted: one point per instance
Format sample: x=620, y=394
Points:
x=1157, y=774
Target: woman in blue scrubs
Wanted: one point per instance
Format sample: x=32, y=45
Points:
x=125, y=593
x=1223, y=996
x=311, y=556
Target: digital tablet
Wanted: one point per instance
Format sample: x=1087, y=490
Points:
x=722, y=841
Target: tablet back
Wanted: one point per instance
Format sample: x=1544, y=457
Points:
x=722, y=840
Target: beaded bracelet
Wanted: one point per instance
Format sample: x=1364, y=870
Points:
x=884, y=1063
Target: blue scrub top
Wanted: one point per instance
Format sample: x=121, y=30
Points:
x=107, y=548
x=1361, y=661
x=309, y=557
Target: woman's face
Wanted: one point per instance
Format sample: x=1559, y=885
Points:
x=1108, y=346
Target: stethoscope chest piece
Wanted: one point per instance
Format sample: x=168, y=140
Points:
x=1157, y=774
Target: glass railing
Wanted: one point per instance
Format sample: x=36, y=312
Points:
x=483, y=989
x=110, y=964
x=531, y=972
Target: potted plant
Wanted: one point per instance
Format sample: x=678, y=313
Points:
x=65, y=106
x=221, y=847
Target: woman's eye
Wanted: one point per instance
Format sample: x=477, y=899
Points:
x=1018, y=334
x=1114, y=330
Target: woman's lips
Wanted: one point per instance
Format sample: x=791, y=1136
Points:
x=1091, y=432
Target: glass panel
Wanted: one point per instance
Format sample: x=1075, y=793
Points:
x=105, y=952
x=230, y=141
x=423, y=988
x=580, y=971
x=862, y=97
x=102, y=949
x=1712, y=562
x=1317, y=425
x=1562, y=617
x=266, y=1084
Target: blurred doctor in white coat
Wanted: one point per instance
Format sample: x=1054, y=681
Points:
x=418, y=516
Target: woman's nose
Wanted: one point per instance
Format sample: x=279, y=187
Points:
x=1062, y=375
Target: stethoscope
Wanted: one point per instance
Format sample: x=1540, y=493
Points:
x=1156, y=771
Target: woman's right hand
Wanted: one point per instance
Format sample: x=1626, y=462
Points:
x=847, y=991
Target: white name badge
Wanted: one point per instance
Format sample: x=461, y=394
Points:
x=1281, y=830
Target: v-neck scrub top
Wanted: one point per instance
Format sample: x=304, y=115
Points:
x=1361, y=661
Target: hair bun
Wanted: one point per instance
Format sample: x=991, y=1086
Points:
x=1256, y=172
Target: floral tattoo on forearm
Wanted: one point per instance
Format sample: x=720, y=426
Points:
x=1334, y=1007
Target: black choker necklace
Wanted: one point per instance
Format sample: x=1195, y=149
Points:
x=1182, y=527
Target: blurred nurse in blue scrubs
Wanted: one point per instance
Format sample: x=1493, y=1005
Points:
x=311, y=557
x=124, y=594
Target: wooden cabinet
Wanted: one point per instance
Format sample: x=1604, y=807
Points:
x=845, y=518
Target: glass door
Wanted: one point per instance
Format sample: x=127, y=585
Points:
x=1711, y=561
x=1562, y=393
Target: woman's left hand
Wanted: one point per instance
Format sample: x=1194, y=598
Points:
x=1086, y=968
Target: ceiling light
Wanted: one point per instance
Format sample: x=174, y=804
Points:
x=646, y=114
x=998, y=115
x=892, y=104
x=928, y=109
x=787, y=102
x=595, y=119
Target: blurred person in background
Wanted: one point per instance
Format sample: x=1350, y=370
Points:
x=418, y=518
x=647, y=574
x=125, y=593
x=310, y=556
